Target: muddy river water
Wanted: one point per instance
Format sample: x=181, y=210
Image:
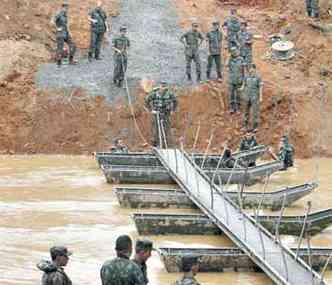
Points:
x=47, y=200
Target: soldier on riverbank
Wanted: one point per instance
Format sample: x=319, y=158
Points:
x=245, y=41
x=161, y=101
x=99, y=25
x=63, y=35
x=252, y=92
x=121, y=45
x=54, y=273
x=190, y=267
x=121, y=270
x=143, y=251
x=232, y=24
x=235, y=79
x=192, y=40
x=214, y=38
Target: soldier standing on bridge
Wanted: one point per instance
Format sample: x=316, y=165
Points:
x=190, y=267
x=161, y=101
x=235, y=79
x=63, y=36
x=233, y=25
x=121, y=45
x=214, y=39
x=253, y=87
x=99, y=25
x=192, y=40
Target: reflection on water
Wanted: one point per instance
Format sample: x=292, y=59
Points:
x=47, y=200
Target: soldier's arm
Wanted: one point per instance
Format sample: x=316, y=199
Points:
x=57, y=278
x=90, y=17
x=138, y=276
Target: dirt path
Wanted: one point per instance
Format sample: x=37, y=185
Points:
x=156, y=52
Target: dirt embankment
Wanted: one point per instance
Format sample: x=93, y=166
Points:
x=71, y=122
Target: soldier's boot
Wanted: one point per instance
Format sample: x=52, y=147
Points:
x=97, y=56
x=198, y=79
x=59, y=62
x=219, y=75
x=189, y=76
x=90, y=56
x=120, y=81
x=72, y=61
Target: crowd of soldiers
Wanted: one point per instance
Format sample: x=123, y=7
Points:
x=119, y=270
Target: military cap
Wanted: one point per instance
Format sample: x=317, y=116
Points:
x=123, y=28
x=163, y=82
x=65, y=3
x=188, y=262
x=144, y=245
x=59, y=251
x=123, y=243
x=215, y=22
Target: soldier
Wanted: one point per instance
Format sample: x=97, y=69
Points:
x=253, y=87
x=54, y=273
x=143, y=252
x=247, y=143
x=190, y=267
x=232, y=24
x=99, y=25
x=286, y=152
x=121, y=45
x=245, y=41
x=312, y=8
x=63, y=36
x=161, y=101
x=235, y=80
x=119, y=147
x=192, y=41
x=214, y=39
x=121, y=270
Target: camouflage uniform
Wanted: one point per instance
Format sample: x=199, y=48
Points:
x=215, y=46
x=233, y=27
x=188, y=279
x=312, y=8
x=120, y=59
x=63, y=36
x=144, y=270
x=192, y=40
x=286, y=154
x=245, y=41
x=53, y=274
x=98, y=30
x=163, y=102
x=121, y=271
x=236, y=73
x=247, y=144
x=252, y=85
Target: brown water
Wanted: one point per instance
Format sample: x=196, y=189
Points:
x=47, y=200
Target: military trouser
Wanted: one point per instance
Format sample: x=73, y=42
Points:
x=216, y=58
x=120, y=67
x=96, y=41
x=312, y=8
x=61, y=39
x=234, y=96
x=195, y=57
x=161, y=130
x=232, y=41
x=247, y=58
x=252, y=105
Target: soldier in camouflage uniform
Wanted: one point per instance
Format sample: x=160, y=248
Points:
x=233, y=25
x=190, y=267
x=214, y=39
x=252, y=97
x=53, y=270
x=143, y=252
x=247, y=143
x=99, y=26
x=312, y=8
x=161, y=101
x=286, y=153
x=245, y=41
x=119, y=147
x=192, y=41
x=121, y=270
x=63, y=36
x=235, y=79
x=121, y=45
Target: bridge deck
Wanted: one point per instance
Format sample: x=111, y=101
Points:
x=271, y=256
